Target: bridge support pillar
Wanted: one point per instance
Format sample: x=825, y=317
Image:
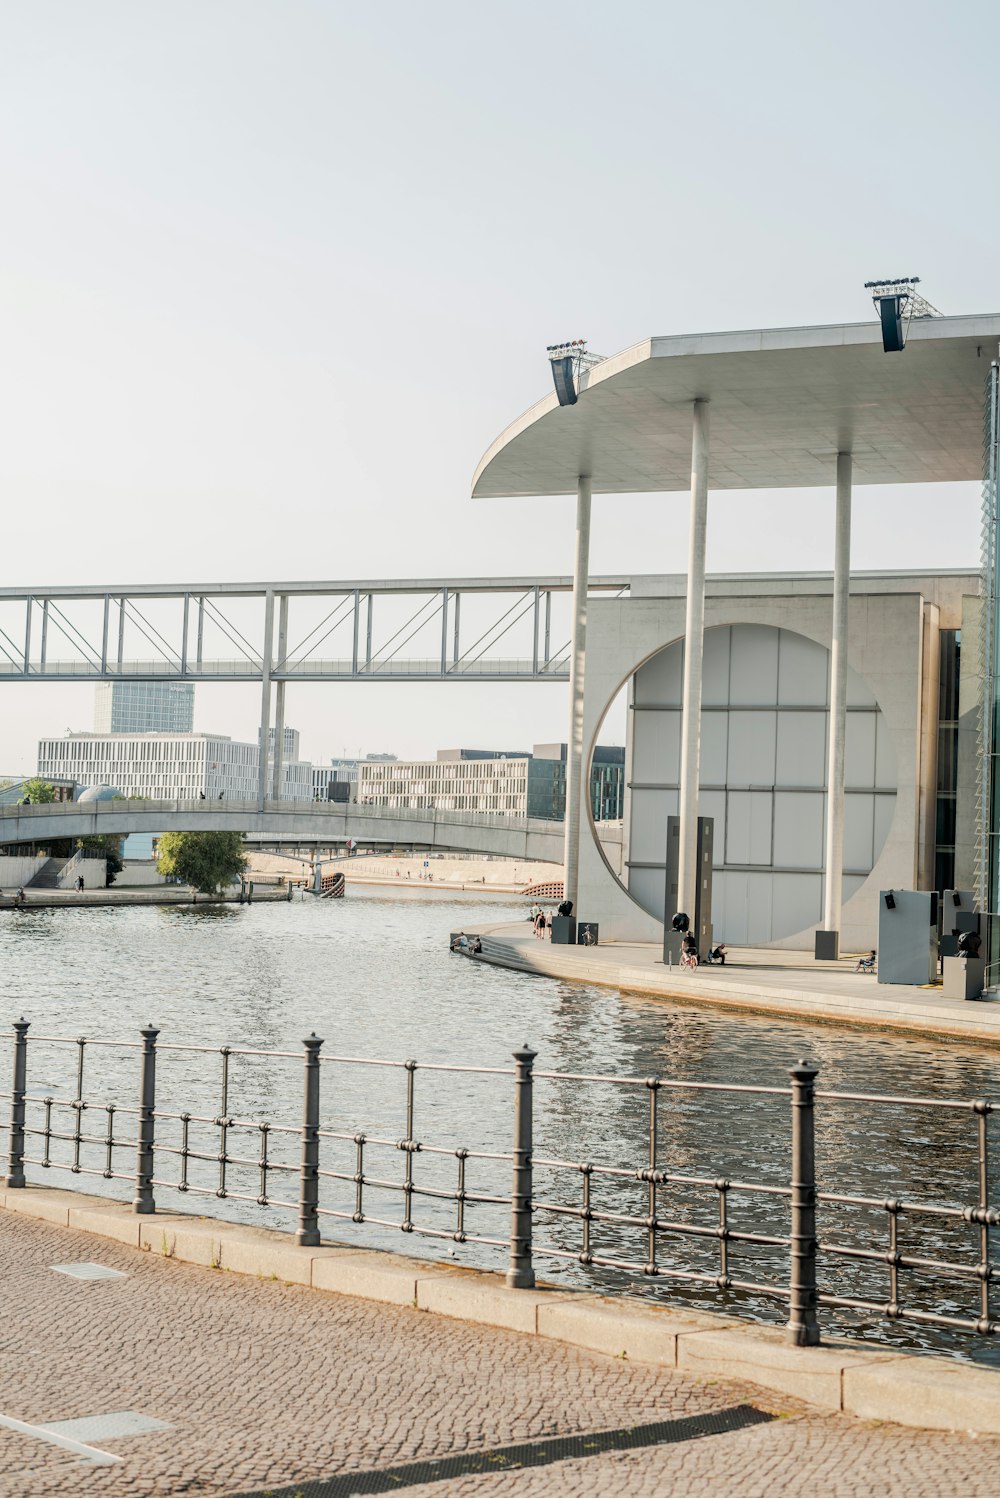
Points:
x=694, y=636
x=278, y=775
x=577, y=773
x=265, y=697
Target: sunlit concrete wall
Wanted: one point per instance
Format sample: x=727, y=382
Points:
x=891, y=762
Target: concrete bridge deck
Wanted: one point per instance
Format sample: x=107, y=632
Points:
x=308, y=821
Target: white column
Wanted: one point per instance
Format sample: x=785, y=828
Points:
x=265, y=698
x=694, y=631
x=277, y=776
x=838, y=702
x=575, y=768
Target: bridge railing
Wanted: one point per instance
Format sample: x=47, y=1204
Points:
x=470, y=1155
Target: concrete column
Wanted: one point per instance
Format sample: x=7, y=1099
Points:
x=265, y=697
x=576, y=771
x=694, y=631
x=279, y=702
x=834, y=872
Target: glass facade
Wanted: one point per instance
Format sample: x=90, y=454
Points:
x=144, y=707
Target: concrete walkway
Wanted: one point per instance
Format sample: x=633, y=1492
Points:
x=169, y=1378
x=762, y=980
x=66, y=899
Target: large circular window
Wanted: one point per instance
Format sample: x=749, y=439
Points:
x=765, y=721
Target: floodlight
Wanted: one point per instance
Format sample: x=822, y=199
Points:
x=897, y=301
x=567, y=360
x=890, y=903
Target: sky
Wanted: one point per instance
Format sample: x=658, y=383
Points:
x=274, y=275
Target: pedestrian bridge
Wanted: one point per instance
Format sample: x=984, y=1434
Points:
x=291, y=821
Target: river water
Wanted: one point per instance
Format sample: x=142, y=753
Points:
x=372, y=975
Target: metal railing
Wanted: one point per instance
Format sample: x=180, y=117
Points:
x=779, y=1232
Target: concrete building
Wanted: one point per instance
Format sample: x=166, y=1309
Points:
x=144, y=707
x=495, y=781
x=160, y=766
x=522, y=787
x=765, y=743
x=337, y=780
x=821, y=720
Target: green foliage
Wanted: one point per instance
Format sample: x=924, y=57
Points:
x=107, y=846
x=38, y=792
x=208, y=861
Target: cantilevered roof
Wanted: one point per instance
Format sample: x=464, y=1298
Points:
x=782, y=403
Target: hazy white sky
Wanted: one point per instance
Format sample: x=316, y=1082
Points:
x=273, y=275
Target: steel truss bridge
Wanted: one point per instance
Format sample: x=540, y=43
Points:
x=465, y=629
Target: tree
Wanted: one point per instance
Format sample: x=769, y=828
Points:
x=107, y=846
x=208, y=861
x=38, y=792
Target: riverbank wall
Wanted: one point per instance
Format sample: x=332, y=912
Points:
x=60, y=899
x=759, y=980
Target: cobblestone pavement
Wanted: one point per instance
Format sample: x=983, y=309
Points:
x=265, y=1384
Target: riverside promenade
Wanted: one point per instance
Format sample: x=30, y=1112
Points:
x=215, y=1377
x=762, y=981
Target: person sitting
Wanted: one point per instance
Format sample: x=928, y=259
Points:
x=689, y=950
x=866, y=964
x=718, y=954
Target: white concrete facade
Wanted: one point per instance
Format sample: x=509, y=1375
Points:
x=518, y=788
x=164, y=766
x=766, y=680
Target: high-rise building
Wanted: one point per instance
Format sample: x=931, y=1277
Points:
x=144, y=707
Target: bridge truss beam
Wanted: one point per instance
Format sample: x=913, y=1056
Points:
x=450, y=629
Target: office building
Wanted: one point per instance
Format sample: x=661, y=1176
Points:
x=493, y=781
x=166, y=767
x=337, y=780
x=144, y=707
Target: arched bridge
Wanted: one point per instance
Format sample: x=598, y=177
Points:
x=288, y=821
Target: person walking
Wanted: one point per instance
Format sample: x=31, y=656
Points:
x=79, y=884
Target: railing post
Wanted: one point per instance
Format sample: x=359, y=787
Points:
x=803, y=1326
x=145, y=1132
x=521, y=1275
x=15, y=1164
x=308, y=1233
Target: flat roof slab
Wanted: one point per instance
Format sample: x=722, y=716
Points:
x=782, y=404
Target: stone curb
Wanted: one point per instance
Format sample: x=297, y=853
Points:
x=926, y=1392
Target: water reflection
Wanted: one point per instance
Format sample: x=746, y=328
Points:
x=373, y=976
